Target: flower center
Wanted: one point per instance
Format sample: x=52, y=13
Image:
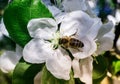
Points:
x=55, y=40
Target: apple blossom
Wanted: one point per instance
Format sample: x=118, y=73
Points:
x=44, y=47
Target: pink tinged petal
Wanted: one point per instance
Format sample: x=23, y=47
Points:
x=86, y=68
x=73, y=5
x=42, y=28
x=76, y=22
x=89, y=48
x=37, y=51
x=8, y=60
x=59, y=65
x=105, y=28
x=118, y=1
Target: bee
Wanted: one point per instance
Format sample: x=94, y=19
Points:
x=70, y=42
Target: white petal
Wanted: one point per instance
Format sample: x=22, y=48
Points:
x=88, y=49
x=105, y=43
x=77, y=22
x=92, y=3
x=8, y=60
x=42, y=28
x=118, y=44
x=86, y=70
x=105, y=28
x=113, y=19
x=73, y=5
x=118, y=1
x=83, y=69
x=93, y=31
x=59, y=65
x=117, y=15
x=76, y=68
x=37, y=51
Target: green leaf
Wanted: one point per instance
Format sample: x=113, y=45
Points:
x=24, y=73
x=17, y=16
x=99, y=69
x=48, y=78
x=116, y=67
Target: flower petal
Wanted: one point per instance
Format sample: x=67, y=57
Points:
x=76, y=68
x=113, y=19
x=59, y=65
x=105, y=43
x=42, y=28
x=37, y=51
x=86, y=70
x=105, y=28
x=73, y=5
x=79, y=22
x=88, y=49
x=118, y=43
x=83, y=69
x=8, y=60
x=94, y=29
x=117, y=15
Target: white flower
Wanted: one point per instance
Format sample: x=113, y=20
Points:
x=8, y=59
x=45, y=47
x=40, y=49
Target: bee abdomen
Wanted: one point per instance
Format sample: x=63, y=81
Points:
x=76, y=43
